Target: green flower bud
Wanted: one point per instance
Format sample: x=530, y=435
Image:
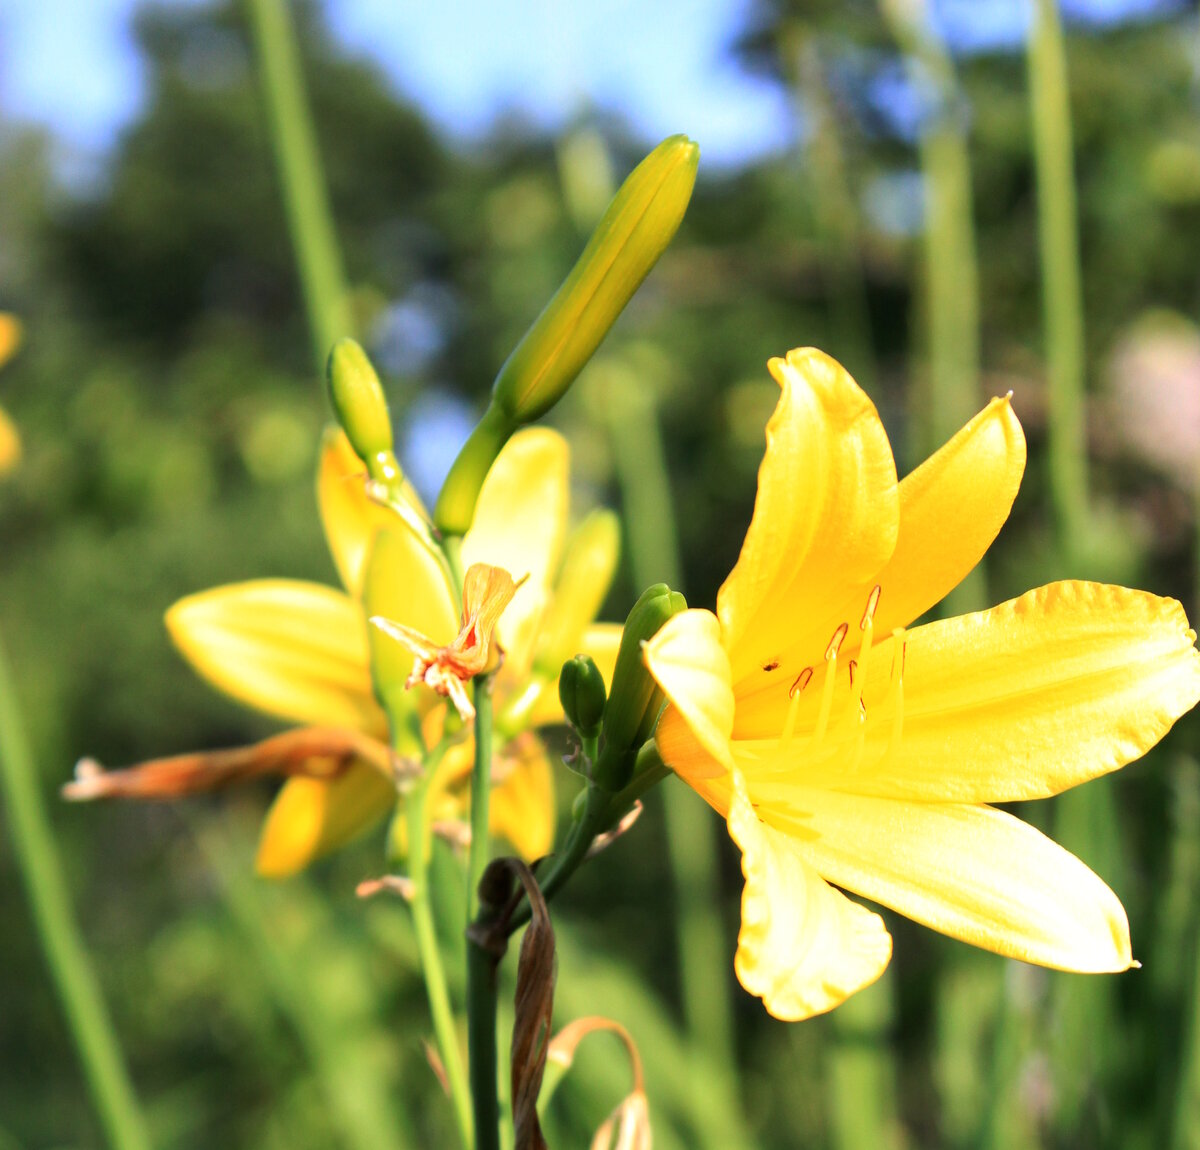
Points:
x=361, y=409
x=581, y=690
x=589, y=563
x=636, y=699
x=631, y=235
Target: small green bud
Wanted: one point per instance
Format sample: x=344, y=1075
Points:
x=361, y=409
x=636, y=699
x=581, y=690
x=589, y=563
x=627, y=242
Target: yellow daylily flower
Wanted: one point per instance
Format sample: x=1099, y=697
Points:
x=846, y=750
x=300, y=651
x=10, y=439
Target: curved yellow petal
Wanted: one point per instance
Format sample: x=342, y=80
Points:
x=825, y=518
x=520, y=521
x=313, y=817
x=951, y=509
x=351, y=519
x=803, y=947
x=522, y=805
x=10, y=336
x=10, y=443
x=689, y=663
x=972, y=872
x=295, y=650
x=1067, y=682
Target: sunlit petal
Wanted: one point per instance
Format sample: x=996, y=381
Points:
x=312, y=817
x=295, y=650
x=972, y=872
x=825, y=517
x=1067, y=682
x=522, y=804
x=803, y=947
x=688, y=661
x=951, y=509
x=520, y=521
x=351, y=519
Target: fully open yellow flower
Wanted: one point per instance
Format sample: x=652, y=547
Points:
x=844, y=749
x=300, y=650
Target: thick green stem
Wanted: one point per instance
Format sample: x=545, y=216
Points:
x=482, y=977
x=481, y=793
x=441, y=1012
x=64, y=951
x=303, y=183
x=1062, y=291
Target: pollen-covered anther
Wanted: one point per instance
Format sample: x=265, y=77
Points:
x=827, y=688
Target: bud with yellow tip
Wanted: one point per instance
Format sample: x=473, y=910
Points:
x=632, y=234
x=361, y=409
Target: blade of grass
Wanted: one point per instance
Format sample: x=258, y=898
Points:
x=64, y=950
x=1086, y=818
x=950, y=264
x=302, y=181
x=358, y=1096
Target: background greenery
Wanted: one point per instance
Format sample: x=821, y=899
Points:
x=170, y=419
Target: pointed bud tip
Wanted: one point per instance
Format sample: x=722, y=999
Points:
x=359, y=404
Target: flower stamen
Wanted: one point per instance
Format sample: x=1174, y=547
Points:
x=827, y=688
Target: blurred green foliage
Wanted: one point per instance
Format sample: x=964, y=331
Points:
x=170, y=419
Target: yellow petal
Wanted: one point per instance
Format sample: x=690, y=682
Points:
x=351, y=519
x=951, y=509
x=803, y=947
x=520, y=521
x=972, y=872
x=825, y=518
x=295, y=650
x=312, y=817
x=522, y=806
x=10, y=443
x=601, y=641
x=689, y=663
x=10, y=336
x=1068, y=682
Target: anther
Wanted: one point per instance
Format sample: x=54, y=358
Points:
x=835, y=644
x=872, y=604
x=800, y=682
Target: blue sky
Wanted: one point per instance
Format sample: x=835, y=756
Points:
x=72, y=65
x=665, y=65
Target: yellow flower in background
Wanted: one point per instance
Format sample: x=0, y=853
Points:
x=10, y=440
x=845, y=749
x=300, y=651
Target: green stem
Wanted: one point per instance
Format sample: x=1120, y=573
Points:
x=62, y=947
x=951, y=267
x=304, y=194
x=692, y=834
x=482, y=978
x=1062, y=291
x=601, y=812
x=418, y=817
x=481, y=793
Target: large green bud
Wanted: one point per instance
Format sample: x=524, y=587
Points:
x=636, y=699
x=631, y=235
x=361, y=409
